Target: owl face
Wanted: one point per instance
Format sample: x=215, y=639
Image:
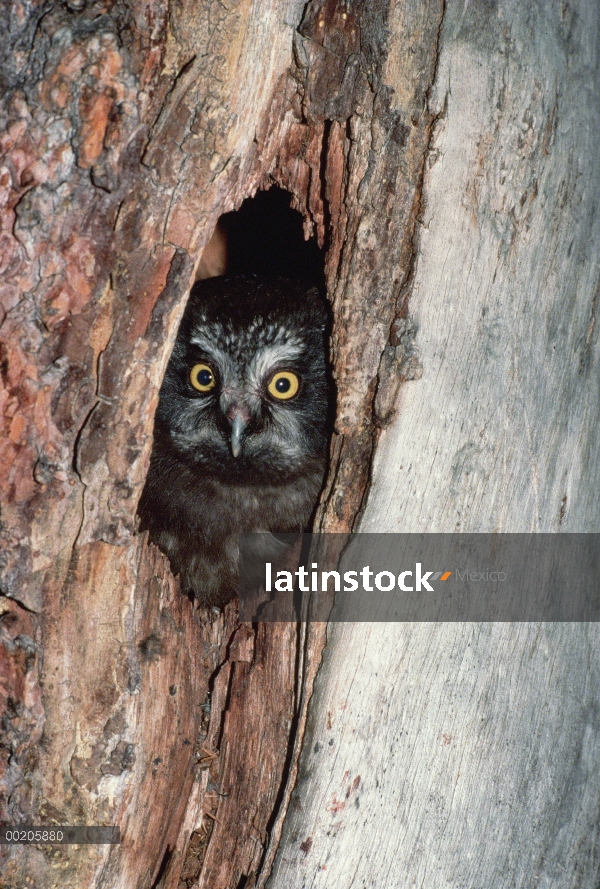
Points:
x=245, y=395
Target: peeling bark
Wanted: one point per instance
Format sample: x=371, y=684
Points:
x=466, y=754
x=128, y=128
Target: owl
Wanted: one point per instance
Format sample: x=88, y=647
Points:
x=241, y=428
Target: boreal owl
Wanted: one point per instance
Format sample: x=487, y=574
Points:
x=241, y=428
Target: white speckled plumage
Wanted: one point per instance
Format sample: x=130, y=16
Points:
x=236, y=459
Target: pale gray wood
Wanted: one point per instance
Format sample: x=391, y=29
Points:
x=501, y=432
x=449, y=755
x=478, y=745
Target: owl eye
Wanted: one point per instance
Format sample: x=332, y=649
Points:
x=202, y=378
x=283, y=385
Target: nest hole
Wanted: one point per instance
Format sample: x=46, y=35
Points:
x=264, y=237
x=244, y=419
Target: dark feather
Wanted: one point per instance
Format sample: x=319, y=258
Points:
x=198, y=496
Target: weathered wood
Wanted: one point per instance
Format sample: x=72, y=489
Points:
x=127, y=131
x=116, y=164
x=449, y=754
x=440, y=755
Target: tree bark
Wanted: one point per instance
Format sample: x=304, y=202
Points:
x=128, y=129
x=466, y=754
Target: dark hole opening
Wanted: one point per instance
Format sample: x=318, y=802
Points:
x=245, y=411
x=265, y=238
x=163, y=867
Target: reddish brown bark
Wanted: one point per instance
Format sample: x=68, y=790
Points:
x=128, y=128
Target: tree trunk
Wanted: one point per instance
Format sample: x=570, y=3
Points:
x=129, y=128
x=467, y=754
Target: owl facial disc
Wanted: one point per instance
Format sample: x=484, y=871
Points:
x=241, y=428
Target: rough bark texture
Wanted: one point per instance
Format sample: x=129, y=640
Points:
x=467, y=754
x=128, y=128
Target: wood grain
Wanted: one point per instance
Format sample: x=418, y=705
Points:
x=444, y=155
x=465, y=755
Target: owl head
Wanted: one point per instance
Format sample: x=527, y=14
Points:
x=246, y=393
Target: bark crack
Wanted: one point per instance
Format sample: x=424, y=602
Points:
x=400, y=360
x=182, y=81
x=438, y=45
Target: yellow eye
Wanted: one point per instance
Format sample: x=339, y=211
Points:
x=202, y=378
x=284, y=384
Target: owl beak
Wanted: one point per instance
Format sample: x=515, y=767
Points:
x=237, y=430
